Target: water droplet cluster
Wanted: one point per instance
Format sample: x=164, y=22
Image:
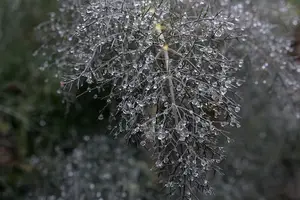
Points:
x=99, y=168
x=268, y=26
x=171, y=67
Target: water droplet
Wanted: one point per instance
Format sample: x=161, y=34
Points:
x=230, y=26
x=143, y=143
x=159, y=164
x=43, y=123
x=223, y=90
x=161, y=135
x=239, y=82
x=219, y=32
x=166, y=104
x=100, y=117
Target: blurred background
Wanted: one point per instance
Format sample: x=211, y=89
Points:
x=43, y=137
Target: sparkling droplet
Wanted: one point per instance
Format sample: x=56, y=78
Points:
x=100, y=117
x=143, y=143
x=230, y=26
x=159, y=164
x=161, y=136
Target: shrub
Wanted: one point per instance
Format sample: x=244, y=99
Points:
x=172, y=69
x=98, y=168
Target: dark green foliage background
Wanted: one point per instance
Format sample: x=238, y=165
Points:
x=37, y=119
x=21, y=114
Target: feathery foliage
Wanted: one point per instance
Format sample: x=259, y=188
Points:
x=172, y=69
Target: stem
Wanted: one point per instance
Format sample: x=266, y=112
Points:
x=171, y=86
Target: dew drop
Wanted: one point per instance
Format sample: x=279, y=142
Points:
x=100, y=117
